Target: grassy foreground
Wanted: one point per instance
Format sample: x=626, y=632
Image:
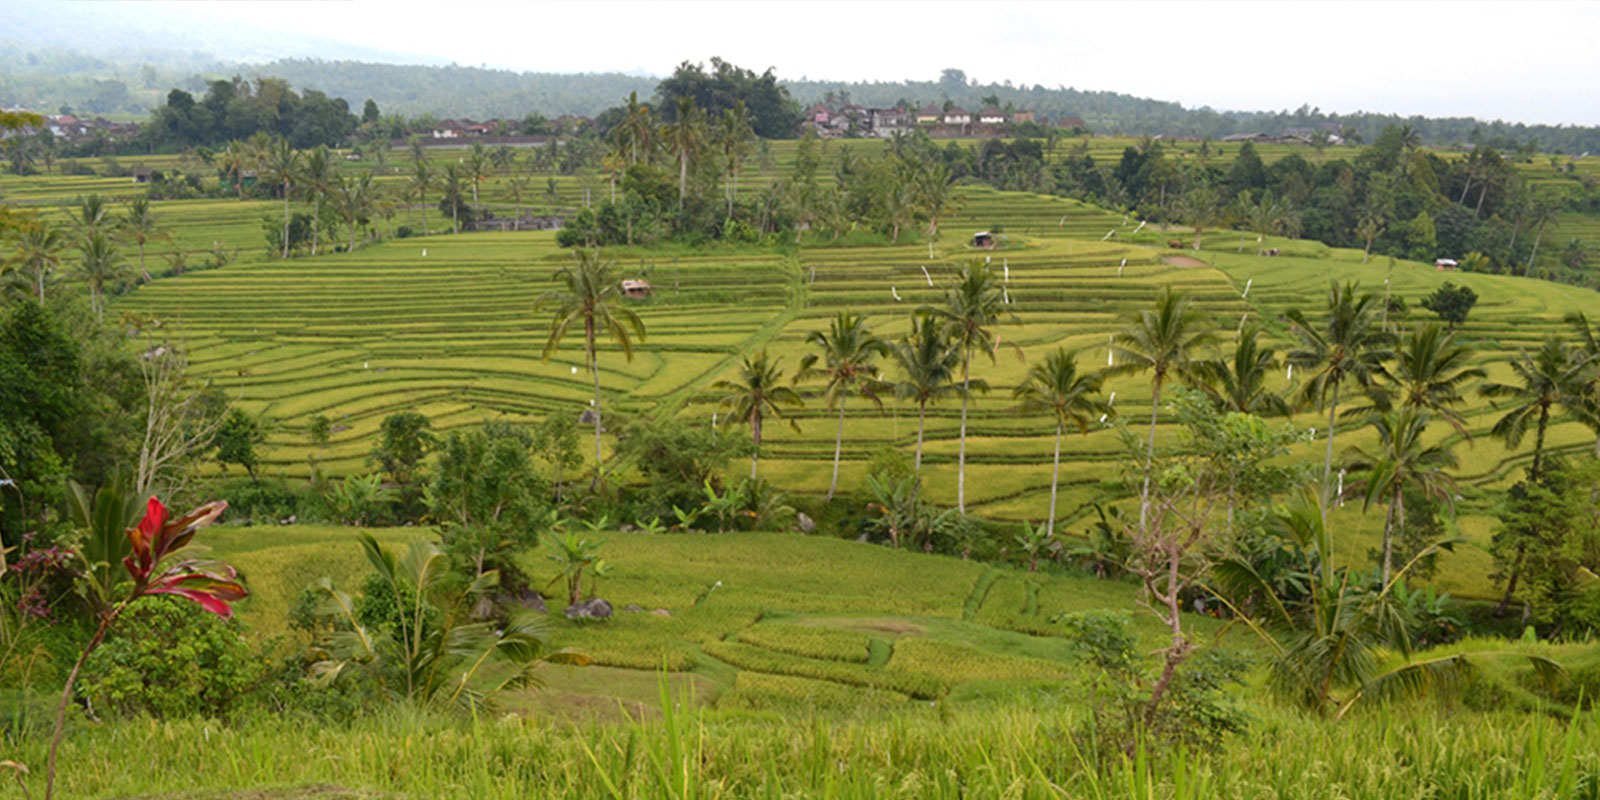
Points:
x=1028, y=750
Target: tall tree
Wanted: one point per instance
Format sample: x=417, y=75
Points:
x=237, y=158
x=480, y=164
x=450, y=190
x=1164, y=340
x=1202, y=209
x=928, y=361
x=1402, y=461
x=100, y=263
x=733, y=138
x=280, y=164
x=422, y=179
x=1240, y=384
x=139, y=226
x=847, y=352
x=1542, y=382
x=1056, y=387
x=686, y=138
x=38, y=250
x=1350, y=345
x=589, y=297
x=1585, y=388
x=1368, y=229
x=757, y=394
x=317, y=176
x=637, y=131
x=1431, y=368
x=973, y=305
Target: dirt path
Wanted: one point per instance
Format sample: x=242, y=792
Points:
x=1186, y=262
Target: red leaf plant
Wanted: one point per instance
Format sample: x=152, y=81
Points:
x=212, y=584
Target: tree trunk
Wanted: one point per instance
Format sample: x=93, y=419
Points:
x=922, y=422
x=423, y=196
x=1388, y=538
x=1538, y=442
x=961, y=450
x=1179, y=648
x=286, y=219
x=683, y=177
x=66, y=698
x=755, y=434
x=838, y=445
x=594, y=369
x=1150, y=455
x=144, y=273
x=1536, y=239
x=1055, y=481
x=1198, y=233
x=1511, y=582
x=1327, y=459
x=316, y=222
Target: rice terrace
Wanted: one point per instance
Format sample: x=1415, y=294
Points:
x=375, y=428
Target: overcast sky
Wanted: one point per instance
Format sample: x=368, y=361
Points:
x=1525, y=61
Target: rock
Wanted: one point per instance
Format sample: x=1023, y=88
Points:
x=531, y=599
x=863, y=539
x=596, y=608
x=626, y=528
x=633, y=608
x=661, y=612
x=804, y=523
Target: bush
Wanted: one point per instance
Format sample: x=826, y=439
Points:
x=403, y=232
x=168, y=657
x=269, y=501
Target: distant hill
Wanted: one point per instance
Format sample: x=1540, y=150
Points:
x=133, y=75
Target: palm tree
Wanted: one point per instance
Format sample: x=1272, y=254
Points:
x=1201, y=208
x=590, y=296
x=686, y=138
x=1543, y=381
x=1402, y=460
x=758, y=393
x=1349, y=346
x=38, y=250
x=1368, y=229
x=1265, y=217
x=101, y=264
x=317, y=176
x=93, y=216
x=280, y=164
x=1070, y=398
x=928, y=360
x=422, y=179
x=140, y=226
x=848, y=349
x=636, y=131
x=1585, y=388
x=237, y=157
x=479, y=168
x=973, y=305
x=1430, y=369
x=733, y=136
x=450, y=188
x=1241, y=384
x=355, y=201
x=1164, y=340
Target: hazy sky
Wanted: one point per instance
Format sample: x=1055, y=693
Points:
x=1525, y=61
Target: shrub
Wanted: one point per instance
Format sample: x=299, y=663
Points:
x=171, y=658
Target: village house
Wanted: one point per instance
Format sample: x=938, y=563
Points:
x=1072, y=123
x=992, y=116
x=957, y=116
x=886, y=121
x=929, y=115
x=1020, y=117
x=448, y=129
x=818, y=115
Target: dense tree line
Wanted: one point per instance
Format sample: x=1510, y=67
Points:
x=239, y=109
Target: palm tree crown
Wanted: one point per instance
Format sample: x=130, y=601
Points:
x=847, y=352
x=758, y=393
x=1240, y=384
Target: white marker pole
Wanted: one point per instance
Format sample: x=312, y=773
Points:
x=1247, y=287
x=926, y=275
x=1111, y=356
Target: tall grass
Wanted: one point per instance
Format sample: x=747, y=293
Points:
x=1039, y=752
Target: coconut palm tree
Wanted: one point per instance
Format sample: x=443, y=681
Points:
x=450, y=187
x=1240, y=384
x=1265, y=217
x=589, y=297
x=637, y=131
x=1430, y=369
x=236, y=158
x=1202, y=209
x=1544, y=380
x=1585, y=388
x=139, y=226
x=1368, y=229
x=686, y=138
x=733, y=138
x=100, y=263
x=1350, y=346
x=317, y=176
x=973, y=305
x=1164, y=340
x=355, y=200
x=928, y=362
x=480, y=163
x=1070, y=398
x=757, y=394
x=422, y=179
x=1402, y=460
x=847, y=352
x=38, y=251
x=280, y=164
